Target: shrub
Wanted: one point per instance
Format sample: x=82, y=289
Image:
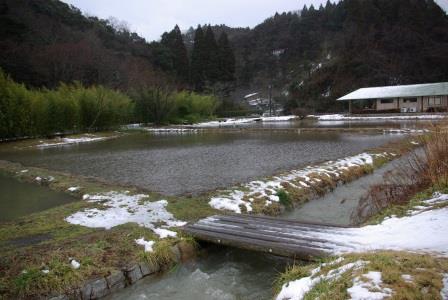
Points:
x=284, y=198
x=67, y=109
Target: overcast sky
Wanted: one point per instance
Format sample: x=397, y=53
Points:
x=150, y=18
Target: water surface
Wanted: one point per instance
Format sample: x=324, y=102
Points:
x=18, y=199
x=225, y=274
x=194, y=163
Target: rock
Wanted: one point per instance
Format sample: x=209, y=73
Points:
x=176, y=252
x=133, y=274
x=116, y=281
x=187, y=251
x=99, y=289
x=60, y=297
x=86, y=291
x=148, y=269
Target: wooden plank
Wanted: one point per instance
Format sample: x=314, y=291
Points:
x=256, y=245
x=287, y=221
x=275, y=221
x=296, y=226
x=277, y=233
x=267, y=234
x=278, y=238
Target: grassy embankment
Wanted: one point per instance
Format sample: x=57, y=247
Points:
x=45, y=240
x=423, y=176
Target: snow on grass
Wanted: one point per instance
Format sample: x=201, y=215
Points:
x=75, y=264
x=73, y=189
x=72, y=141
x=405, y=131
x=407, y=277
x=121, y=208
x=147, y=244
x=368, y=287
x=424, y=230
x=227, y=122
x=172, y=130
x=239, y=121
x=444, y=291
x=336, y=117
x=164, y=233
x=279, y=118
x=296, y=290
x=266, y=190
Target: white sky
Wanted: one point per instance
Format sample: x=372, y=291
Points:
x=150, y=18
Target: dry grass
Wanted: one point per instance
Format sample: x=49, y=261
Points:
x=425, y=170
x=426, y=273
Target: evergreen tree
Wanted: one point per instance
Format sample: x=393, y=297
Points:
x=174, y=43
x=226, y=59
x=197, y=73
x=211, y=57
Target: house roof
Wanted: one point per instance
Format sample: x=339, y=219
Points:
x=414, y=90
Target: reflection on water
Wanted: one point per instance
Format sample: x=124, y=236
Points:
x=224, y=274
x=312, y=123
x=18, y=199
x=193, y=163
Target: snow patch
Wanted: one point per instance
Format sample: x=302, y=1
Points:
x=72, y=141
x=73, y=189
x=121, y=208
x=297, y=289
x=429, y=225
x=172, y=130
x=369, y=288
x=234, y=122
x=75, y=264
x=444, y=291
x=147, y=244
x=164, y=233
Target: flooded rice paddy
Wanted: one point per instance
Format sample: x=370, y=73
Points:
x=18, y=199
x=196, y=162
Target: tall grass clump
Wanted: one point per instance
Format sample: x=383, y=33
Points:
x=435, y=166
x=68, y=109
x=426, y=168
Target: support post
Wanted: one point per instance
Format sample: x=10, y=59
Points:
x=349, y=107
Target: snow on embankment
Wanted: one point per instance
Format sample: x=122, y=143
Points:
x=121, y=208
x=72, y=141
x=265, y=191
x=338, y=117
x=242, y=121
x=367, y=286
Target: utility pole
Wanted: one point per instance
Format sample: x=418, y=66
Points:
x=270, y=100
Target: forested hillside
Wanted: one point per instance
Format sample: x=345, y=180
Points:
x=321, y=53
x=44, y=42
x=310, y=57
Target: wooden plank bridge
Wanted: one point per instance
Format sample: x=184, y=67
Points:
x=271, y=235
